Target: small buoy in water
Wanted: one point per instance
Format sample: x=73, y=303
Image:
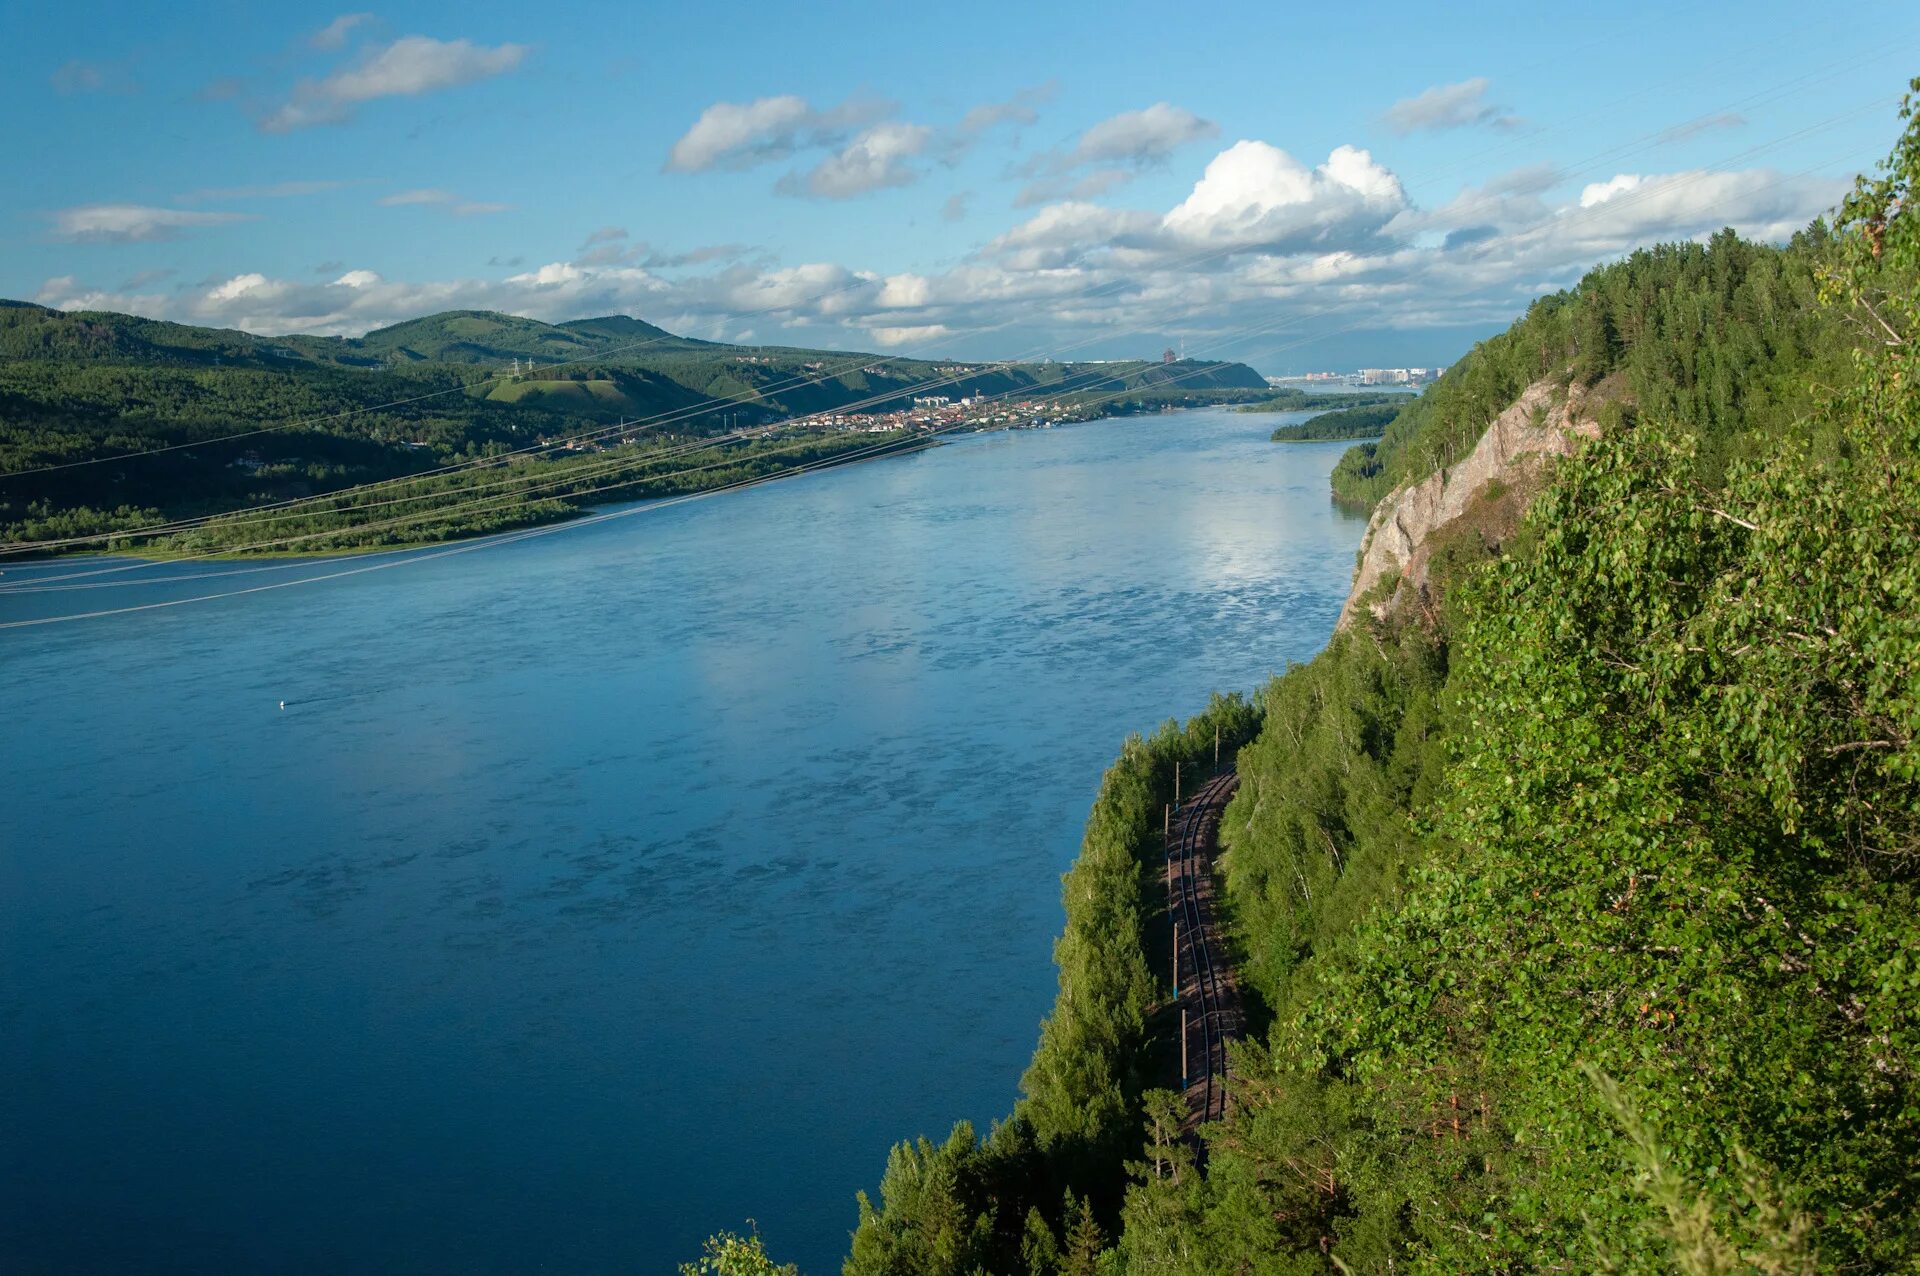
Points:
x=283, y=704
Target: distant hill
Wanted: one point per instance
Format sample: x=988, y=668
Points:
x=318, y=414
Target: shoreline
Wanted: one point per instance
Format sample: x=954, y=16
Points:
x=907, y=447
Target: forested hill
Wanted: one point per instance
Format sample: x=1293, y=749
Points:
x=322, y=414
x=1576, y=905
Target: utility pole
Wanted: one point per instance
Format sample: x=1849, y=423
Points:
x=1216, y=746
x=1166, y=826
x=1176, y=784
x=1183, y=1047
x=1176, y=961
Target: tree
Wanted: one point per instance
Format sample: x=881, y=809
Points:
x=1084, y=1240
x=726, y=1254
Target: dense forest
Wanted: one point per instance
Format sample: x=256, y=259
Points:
x=1578, y=910
x=1364, y=422
x=111, y=423
x=1294, y=399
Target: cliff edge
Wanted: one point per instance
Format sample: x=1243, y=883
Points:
x=1483, y=496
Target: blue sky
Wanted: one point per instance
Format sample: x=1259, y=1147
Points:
x=1297, y=187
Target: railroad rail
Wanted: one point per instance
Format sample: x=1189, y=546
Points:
x=1205, y=990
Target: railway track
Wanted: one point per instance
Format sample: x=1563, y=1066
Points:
x=1205, y=989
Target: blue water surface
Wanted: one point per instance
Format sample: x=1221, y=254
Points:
x=598, y=891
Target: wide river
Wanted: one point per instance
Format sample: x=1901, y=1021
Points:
x=596, y=892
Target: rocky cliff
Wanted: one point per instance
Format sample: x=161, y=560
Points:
x=1482, y=496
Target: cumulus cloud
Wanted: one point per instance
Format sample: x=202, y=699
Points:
x=131, y=223
x=1262, y=242
x=1448, y=106
x=408, y=67
x=874, y=159
x=1254, y=195
x=1060, y=235
x=333, y=36
x=1760, y=202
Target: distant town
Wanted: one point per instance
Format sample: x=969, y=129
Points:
x=1364, y=376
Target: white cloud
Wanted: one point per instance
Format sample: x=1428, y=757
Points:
x=131, y=223
x=918, y=334
x=446, y=201
x=239, y=286
x=1262, y=241
x=870, y=149
x=874, y=159
x=1061, y=235
x=1447, y=106
x=1021, y=108
x=1141, y=137
x=399, y=198
x=1256, y=195
x=1601, y=192
x=739, y=135
x=1117, y=148
x=333, y=36
x=410, y=66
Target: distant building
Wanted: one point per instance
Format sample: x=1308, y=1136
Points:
x=1167, y=355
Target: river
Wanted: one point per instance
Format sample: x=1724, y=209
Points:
x=599, y=891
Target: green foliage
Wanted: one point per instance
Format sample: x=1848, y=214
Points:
x=1672, y=838
x=1292, y=399
x=1317, y=835
x=729, y=1255
x=1689, y=1222
x=1349, y=423
x=1080, y=1119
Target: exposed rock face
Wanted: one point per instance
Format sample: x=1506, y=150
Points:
x=1543, y=423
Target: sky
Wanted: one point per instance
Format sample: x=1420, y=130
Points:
x=1297, y=187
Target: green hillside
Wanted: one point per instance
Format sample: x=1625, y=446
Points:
x=318, y=414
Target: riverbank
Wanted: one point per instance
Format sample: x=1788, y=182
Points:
x=268, y=535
